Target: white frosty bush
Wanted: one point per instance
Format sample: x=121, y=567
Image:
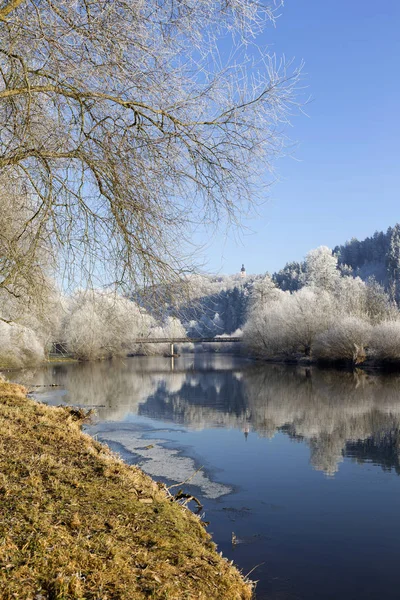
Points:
x=385, y=341
x=19, y=346
x=290, y=325
x=346, y=340
x=265, y=332
x=307, y=313
x=102, y=324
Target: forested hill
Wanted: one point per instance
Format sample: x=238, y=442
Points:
x=218, y=304
x=208, y=305
x=375, y=257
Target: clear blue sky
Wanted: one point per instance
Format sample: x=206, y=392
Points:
x=345, y=180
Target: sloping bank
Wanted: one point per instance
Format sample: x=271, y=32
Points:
x=76, y=522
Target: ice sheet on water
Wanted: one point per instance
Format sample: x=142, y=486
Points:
x=164, y=462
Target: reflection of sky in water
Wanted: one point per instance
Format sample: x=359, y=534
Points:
x=301, y=464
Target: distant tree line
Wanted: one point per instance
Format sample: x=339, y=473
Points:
x=339, y=304
x=375, y=257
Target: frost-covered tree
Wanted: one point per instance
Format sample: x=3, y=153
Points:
x=263, y=292
x=25, y=251
x=289, y=326
x=290, y=278
x=365, y=300
x=265, y=333
x=102, y=324
x=29, y=300
x=307, y=313
x=19, y=346
x=321, y=268
x=350, y=297
x=379, y=307
x=172, y=329
x=345, y=270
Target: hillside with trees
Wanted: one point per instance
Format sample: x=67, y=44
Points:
x=220, y=304
x=375, y=257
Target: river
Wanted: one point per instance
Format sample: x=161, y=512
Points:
x=299, y=475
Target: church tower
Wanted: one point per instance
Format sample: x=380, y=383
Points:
x=242, y=272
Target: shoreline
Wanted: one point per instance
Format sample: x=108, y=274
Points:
x=368, y=365
x=76, y=521
x=340, y=365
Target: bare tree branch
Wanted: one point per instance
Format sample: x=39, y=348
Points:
x=8, y=8
x=124, y=130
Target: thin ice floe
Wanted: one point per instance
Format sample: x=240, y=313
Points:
x=164, y=462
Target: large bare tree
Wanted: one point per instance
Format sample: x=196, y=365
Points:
x=124, y=122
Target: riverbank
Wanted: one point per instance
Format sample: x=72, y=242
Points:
x=368, y=365
x=76, y=522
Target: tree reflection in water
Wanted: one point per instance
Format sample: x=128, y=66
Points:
x=336, y=413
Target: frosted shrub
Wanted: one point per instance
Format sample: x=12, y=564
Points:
x=307, y=313
x=368, y=301
x=19, y=346
x=290, y=325
x=379, y=306
x=103, y=324
x=350, y=295
x=346, y=340
x=266, y=334
x=85, y=334
x=385, y=341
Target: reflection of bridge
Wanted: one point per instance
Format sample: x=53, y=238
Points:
x=186, y=340
x=61, y=347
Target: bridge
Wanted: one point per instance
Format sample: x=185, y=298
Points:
x=61, y=347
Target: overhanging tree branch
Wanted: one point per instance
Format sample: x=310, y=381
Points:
x=123, y=130
x=9, y=7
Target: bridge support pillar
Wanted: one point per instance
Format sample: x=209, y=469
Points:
x=172, y=349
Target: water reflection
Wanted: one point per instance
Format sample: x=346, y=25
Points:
x=336, y=413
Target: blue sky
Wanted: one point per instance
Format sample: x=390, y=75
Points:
x=343, y=181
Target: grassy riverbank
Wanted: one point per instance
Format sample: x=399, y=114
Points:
x=78, y=523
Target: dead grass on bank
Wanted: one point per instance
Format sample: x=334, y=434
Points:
x=78, y=523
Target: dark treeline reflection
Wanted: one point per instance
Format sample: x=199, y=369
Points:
x=336, y=413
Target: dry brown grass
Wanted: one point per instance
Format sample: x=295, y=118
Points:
x=76, y=522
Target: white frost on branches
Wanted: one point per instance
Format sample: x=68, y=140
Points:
x=332, y=318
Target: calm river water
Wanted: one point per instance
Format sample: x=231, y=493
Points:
x=302, y=465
